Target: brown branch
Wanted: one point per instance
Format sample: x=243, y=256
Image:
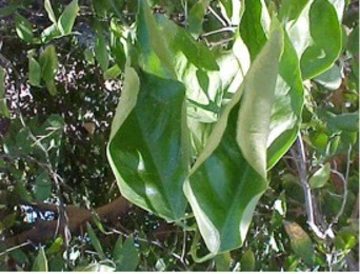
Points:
x=43, y=231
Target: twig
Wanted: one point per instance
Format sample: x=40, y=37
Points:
x=309, y=205
x=15, y=247
x=218, y=17
x=232, y=29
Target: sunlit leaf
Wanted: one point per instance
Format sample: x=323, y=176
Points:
x=148, y=149
x=230, y=175
x=50, y=11
x=67, y=18
x=34, y=72
x=320, y=177
x=49, y=63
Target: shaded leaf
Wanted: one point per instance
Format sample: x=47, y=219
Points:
x=67, y=18
x=223, y=262
x=330, y=79
x=34, y=72
x=49, y=63
x=126, y=255
x=101, y=53
x=196, y=16
x=300, y=242
x=95, y=241
x=247, y=261
x=40, y=262
x=42, y=189
x=320, y=177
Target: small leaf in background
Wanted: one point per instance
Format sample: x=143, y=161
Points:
x=223, y=262
x=330, y=79
x=346, y=122
x=67, y=18
x=24, y=141
x=101, y=53
x=300, y=242
x=23, y=28
x=3, y=107
x=95, y=241
x=40, y=263
x=247, y=261
x=126, y=255
x=49, y=63
x=320, y=177
x=34, y=72
x=196, y=17
x=112, y=73
x=279, y=211
x=51, y=87
x=42, y=189
x=50, y=33
x=50, y=11
x=346, y=239
x=55, y=246
x=160, y=265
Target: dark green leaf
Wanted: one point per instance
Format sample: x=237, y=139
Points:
x=23, y=28
x=42, y=189
x=345, y=122
x=95, y=241
x=126, y=255
x=330, y=79
x=148, y=148
x=67, y=18
x=101, y=53
x=223, y=262
x=40, y=263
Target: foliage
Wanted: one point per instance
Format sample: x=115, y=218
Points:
x=234, y=135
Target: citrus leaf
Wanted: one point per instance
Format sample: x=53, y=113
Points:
x=42, y=189
x=40, y=262
x=126, y=255
x=50, y=11
x=95, y=241
x=49, y=63
x=23, y=28
x=320, y=177
x=67, y=18
x=196, y=17
x=101, y=53
x=34, y=72
x=300, y=242
x=228, y=178
x=247, y=262
x=148, y=149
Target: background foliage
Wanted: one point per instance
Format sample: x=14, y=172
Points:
x=65, y=64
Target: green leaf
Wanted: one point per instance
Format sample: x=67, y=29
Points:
x=23, y=28
x=196, y=17
x=42, y=189
x=247, y=261
x=231, y=11
x=345, y=122
x=316, y=46
x=95, y=241
x=3, y=107
x=49, y=63
x=49, y=33
x=40, y=262
x=50, y=11
x=288, y=104
x=223, y=262
x=34, y=72
x=112, y=73
x=55, y=246
x=229, y=176
x=320, y=177
x=300, y=242
x=148, y=149
x=126, y=255
x=330, y=79
x=254, y=26
x=101, y=53
x=67, y=18
x=155, y=55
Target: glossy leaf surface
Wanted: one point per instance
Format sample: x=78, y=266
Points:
x=317, y=47
x=230, y=175
x=320, y=177
x=23, y=28
x=148, y=146
x=67, y=18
